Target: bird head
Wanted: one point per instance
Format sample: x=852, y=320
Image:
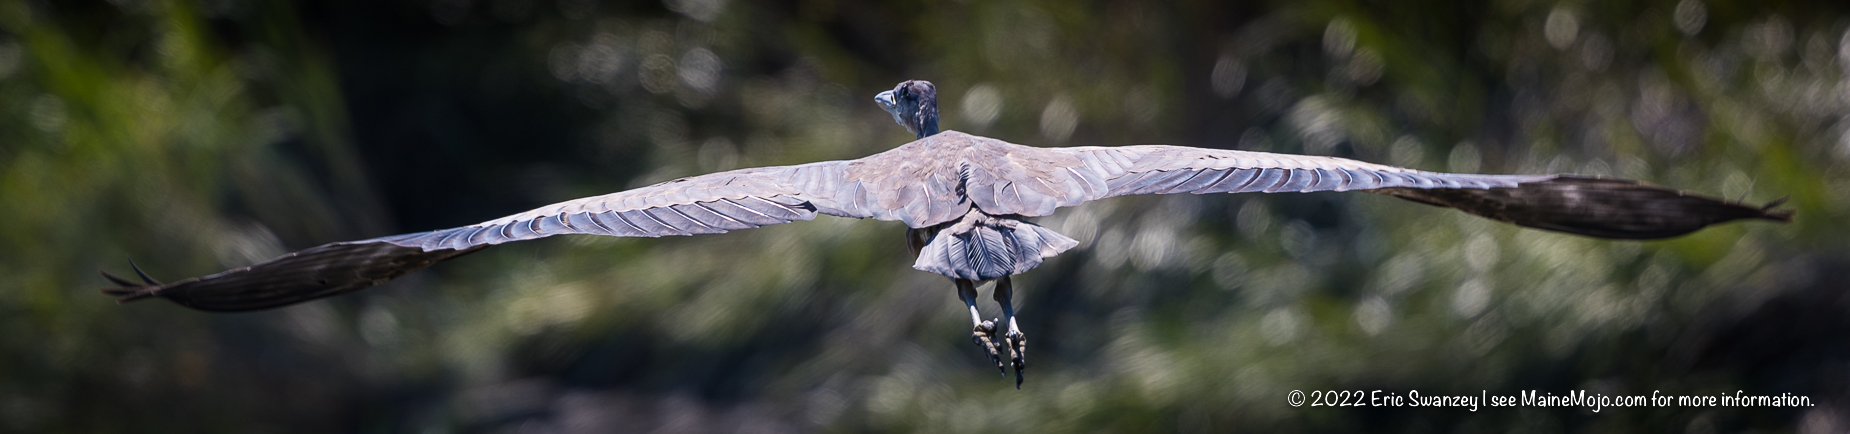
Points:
x=914, y=105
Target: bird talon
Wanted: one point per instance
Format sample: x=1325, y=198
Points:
x=1018, y=354
x=983, y=335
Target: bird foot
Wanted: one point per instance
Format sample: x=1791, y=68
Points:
x=1018, y=350
x=984, y=336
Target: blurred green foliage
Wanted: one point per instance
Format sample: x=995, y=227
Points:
x=198, y=136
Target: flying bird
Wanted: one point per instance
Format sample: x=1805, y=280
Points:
x=966, y=201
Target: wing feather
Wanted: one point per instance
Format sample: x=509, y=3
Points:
x=713, y=203
x=1599, y=207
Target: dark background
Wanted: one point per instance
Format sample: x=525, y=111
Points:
x=195, y=136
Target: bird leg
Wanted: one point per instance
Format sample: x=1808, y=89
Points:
x=1017, y=342
x=983, y=333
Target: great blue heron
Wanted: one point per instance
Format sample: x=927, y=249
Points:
x=965, y=200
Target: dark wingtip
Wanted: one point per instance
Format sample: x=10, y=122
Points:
x=129, y=291
x=1597, y=207
x=144, y=275
x=116, y=280
x=1781, y=215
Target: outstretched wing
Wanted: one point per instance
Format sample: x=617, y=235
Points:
x=713, y=203
x=1591, y=206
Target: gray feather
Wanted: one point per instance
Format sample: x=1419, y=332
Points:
x=981, y=247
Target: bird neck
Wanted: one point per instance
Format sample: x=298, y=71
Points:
x=928, y=116
x=928, y=128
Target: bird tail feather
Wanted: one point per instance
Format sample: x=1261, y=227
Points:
x=981, y=247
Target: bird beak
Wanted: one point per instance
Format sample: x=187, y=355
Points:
x=886, y=101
